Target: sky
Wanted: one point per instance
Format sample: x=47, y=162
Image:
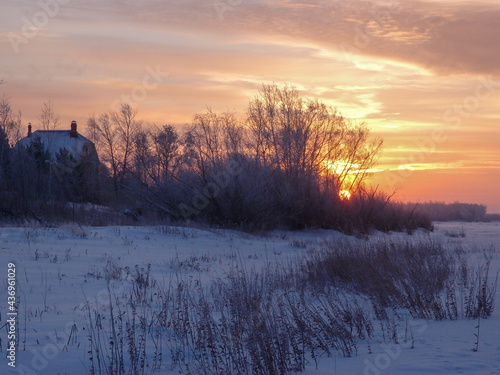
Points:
x=423, y=75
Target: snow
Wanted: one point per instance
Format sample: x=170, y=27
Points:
x=58, y=269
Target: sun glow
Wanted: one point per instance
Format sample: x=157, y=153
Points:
x=344, y=195
x=340, y=167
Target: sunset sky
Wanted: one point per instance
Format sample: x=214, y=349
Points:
x=424, y=75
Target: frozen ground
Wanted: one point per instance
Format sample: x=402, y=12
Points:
x=59, y=269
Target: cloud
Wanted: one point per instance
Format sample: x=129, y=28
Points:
x=452, y=38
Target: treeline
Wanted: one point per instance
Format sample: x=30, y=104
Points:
x=289, y=163
x=439, y=211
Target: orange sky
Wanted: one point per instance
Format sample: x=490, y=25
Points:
x=422, y=74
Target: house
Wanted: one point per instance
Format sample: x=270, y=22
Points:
x=63, y=162
x=55, y=142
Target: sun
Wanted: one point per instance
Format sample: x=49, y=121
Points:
x=344, y=194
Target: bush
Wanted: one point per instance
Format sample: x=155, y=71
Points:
x=281, y=319
x=421, y=276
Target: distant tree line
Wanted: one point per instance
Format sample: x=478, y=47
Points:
x=439, y=211
x=284, y=165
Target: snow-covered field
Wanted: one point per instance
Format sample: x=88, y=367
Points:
x=60, y=271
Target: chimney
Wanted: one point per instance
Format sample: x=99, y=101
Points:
x=29, y=129
x=73, y=133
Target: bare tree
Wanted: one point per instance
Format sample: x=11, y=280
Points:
x=10, y=133
x=114, y=133
x=92, y=131
x=167, y=151
x=304, y=139
x=143, y=160
x=4, y=161
x=126, y=127
x=212, y=139
x=293, y=157
x=5, y=114
x=106, y=140
x=10, y=122
x=48, y=118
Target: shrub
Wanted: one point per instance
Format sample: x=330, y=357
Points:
x=281, y=319
x=422, y=276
